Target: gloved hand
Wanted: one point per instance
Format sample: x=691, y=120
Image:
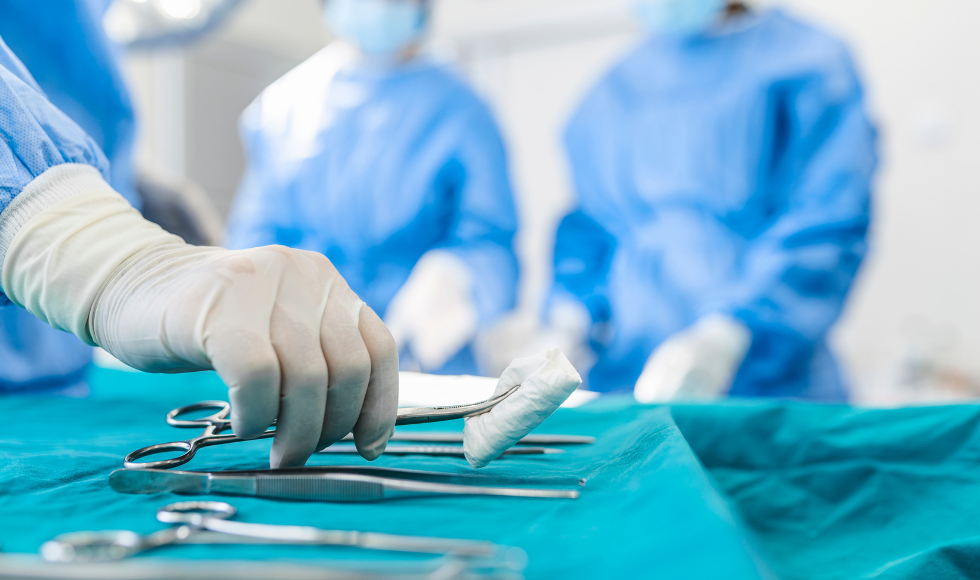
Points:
x=434, y=314
x=697, y=363
x=280, y=326
x=569, y=327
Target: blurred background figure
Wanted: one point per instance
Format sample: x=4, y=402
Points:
x=387, y=163
x=63, y=45
x=723, y=172
x=910, y=330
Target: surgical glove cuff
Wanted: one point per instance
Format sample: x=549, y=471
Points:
x=76, y=232
x=57, y=183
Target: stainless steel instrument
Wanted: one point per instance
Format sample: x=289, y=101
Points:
x=208, y=522
x=330, y=484
x=448, y=450
x=219, y=421
x=449, y=437
x=27, y=567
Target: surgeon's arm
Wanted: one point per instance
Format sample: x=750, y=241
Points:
x=486, y=222
x=798, y=272
x=280, y=326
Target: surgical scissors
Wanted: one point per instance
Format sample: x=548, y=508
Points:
x=208, y=522
x=219, y=421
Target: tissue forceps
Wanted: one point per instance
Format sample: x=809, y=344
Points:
x=219, y=421
x=209, y=522
x=343, y=484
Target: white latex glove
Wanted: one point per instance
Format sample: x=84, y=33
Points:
x=569, y=327
x=545, y=380
x=697, y=363
x=280, y=326
x=434, y=314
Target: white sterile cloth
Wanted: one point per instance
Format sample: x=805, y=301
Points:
x=546, y=380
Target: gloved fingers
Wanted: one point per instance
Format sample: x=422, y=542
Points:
x=348, y=364
x=380, y=408
x=247, y=363
x=401, y=316
x=304, y=379
x=449, y=322
x=665, y=373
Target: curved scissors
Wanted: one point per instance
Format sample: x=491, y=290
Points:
x=219, y=421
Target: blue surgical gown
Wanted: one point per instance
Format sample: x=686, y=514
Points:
x=725, y=173
x=373, y=169
x=66, y=48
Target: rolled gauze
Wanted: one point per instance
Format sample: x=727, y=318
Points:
x=546, y=380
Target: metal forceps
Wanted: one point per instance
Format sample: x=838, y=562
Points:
x=219, y=421
x=209, y=522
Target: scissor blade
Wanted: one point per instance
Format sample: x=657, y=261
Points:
x=158, y=481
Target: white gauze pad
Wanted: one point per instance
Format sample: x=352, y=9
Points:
x=546, y=380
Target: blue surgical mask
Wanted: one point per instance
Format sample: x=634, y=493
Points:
x=678, y=18
x=380, y=28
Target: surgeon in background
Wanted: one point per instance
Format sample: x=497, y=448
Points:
x=723, y=171
x=389, y=165
x=63, y=45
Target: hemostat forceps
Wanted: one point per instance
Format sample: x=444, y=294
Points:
x=208, y=522
x=220, y=421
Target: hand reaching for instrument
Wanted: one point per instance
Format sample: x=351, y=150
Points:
x=697, y=363
x=434, y=314
x=280, y=326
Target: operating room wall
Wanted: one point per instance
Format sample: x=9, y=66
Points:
x=189, y=99
x=916, y=297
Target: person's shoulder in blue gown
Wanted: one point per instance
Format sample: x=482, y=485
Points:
x=733, y=168
x=34, y=356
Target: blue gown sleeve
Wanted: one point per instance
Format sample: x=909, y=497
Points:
x=483, y=230
x=798, y=271
x=36, y=135
x=64, y=45
x=583, y=256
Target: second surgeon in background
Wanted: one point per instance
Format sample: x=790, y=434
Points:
x=390, y=166
x=723, y=171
